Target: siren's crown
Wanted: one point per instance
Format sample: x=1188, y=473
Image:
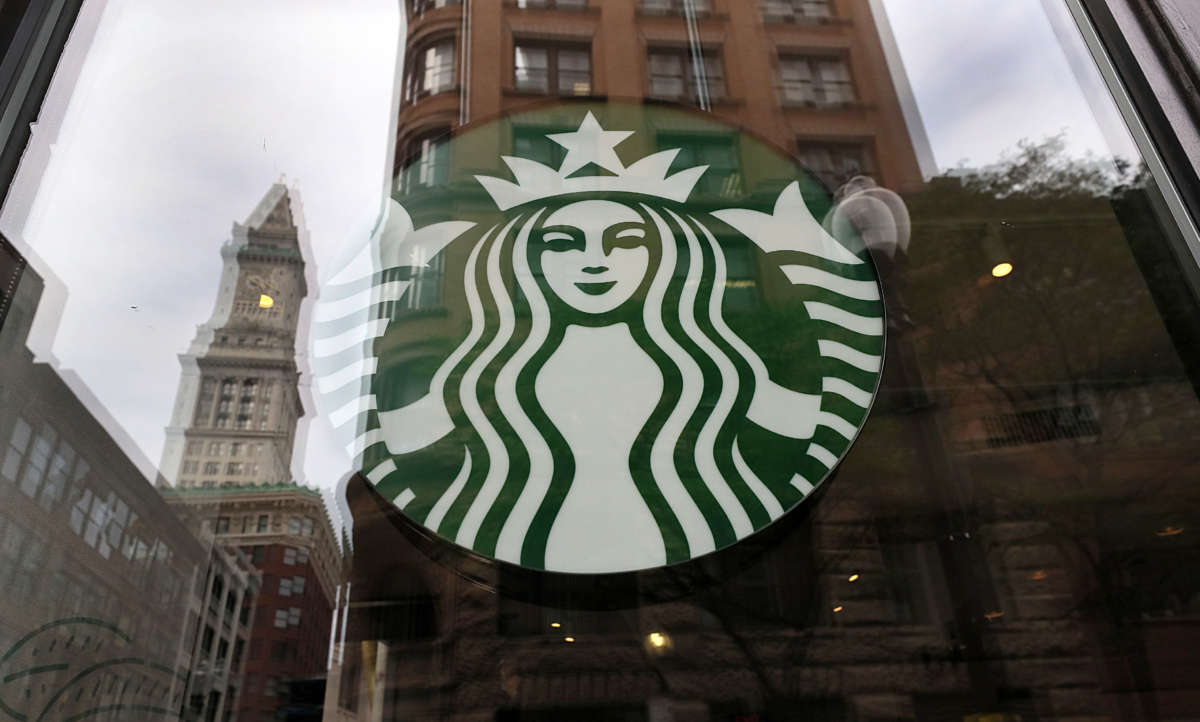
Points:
x=591, y=144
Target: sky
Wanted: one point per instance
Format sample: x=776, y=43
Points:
x=183, y=114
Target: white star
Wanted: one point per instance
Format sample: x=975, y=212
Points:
x=590, y=144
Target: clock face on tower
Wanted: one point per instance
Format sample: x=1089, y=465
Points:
x=266, y=290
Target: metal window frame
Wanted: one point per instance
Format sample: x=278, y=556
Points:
x=1121, y=67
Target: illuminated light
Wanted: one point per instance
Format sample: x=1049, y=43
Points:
x=993, y=615
x=556, y=625
x=657, y=639
x=1038, y=576
x=852, y=577
x=1169, y=531
x=1000, y=270
x=838, y=609
x=569, y=640
x=265, y=301
x=740, y=283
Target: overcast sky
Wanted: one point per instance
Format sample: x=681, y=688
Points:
x=185, y=113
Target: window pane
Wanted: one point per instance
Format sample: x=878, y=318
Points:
x=532, y=69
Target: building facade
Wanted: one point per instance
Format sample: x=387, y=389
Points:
x=284, y=532
x=109, y=591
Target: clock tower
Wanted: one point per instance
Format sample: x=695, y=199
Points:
x=235, y=414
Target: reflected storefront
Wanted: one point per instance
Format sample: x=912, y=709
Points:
x=699, y=360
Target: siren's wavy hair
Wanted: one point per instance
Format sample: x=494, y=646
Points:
x=685, y=462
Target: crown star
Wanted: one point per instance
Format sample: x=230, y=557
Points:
x=591, y=144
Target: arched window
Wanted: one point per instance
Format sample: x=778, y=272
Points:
x=432, y=70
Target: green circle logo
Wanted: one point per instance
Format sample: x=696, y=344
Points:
x=598, y=338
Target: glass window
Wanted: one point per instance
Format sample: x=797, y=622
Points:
x=556, y=69
x=39, y=460
x=795, y=11
x=681, y=75
x=555, y=4
x=624, y=360
x=17, y=444
x=664, y=7
x=428, y=161
x=816, y=81
x=836, y=162
x=433, y=70
x=420, y=7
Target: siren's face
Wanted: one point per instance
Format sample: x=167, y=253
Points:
x=594, y=254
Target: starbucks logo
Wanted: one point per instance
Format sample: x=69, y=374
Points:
x=594, y=360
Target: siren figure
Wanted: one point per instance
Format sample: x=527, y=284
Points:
x=590, y=419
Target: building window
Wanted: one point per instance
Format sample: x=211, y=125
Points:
x=235, y=448
x=191, y=467
x=216, y=448
x=306, y=526
x=285, y=586
x=39, y=461
x=281, y=618
x=17, y=444
x=1041, y=425
x=222, y=526
x=57, y=476
x=258, y=554
x=211, y=467
x=195, y=447
x=293, y=526
x=553, y=69
x=741, y=279
x=233, y=467
x=531, y=142
x=676, y=75
x=297, y=585
x=420, y=7
x=427, y=161
x=432, y=71
x=795, y=11
x=834, y=163
x=263, y=521
x=289, y=556
x=815, y=81
x=559, y=4
x=293, y=617
x=717, y=151
x=674, y=7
